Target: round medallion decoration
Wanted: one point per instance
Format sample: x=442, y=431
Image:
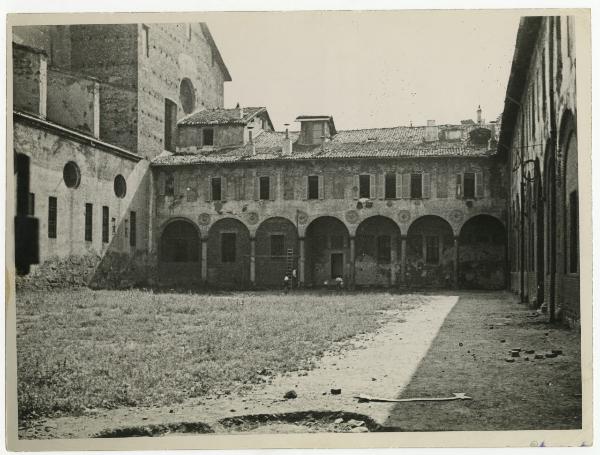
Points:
x=456, y=215
x=352, y=216
x=252, y=217
x=404, y=216
x=302, y=217
x=204, y=219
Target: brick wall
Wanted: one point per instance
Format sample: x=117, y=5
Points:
x=173, y=57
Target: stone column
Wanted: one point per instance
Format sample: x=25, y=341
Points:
x=253, y=261
x=403, y=260
x=455, y=278
x=393, y=259
x=204, y=259
x=352, y=262
x=301, y=262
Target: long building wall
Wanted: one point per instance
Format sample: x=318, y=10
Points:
x=544, y=178
x=185, y=193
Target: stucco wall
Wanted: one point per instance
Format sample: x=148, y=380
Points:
x=98, y=169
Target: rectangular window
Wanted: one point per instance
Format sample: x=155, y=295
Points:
x=364, y=186
x=390, y=186
x=170, y=125
x=228, y=247
x=574, y=232
x=89, y=208
x=215, y=185
x=145, y=41
x=469, y=185
x=337, y=242
x=384, y=252
x=31, y=204
x=208, y=136
x=432, y=250
x=132, y=229
x=264, y=184
x=105, y=217
x=313, y=187
x=277, y=246
x=52, y=217
x=416, y=186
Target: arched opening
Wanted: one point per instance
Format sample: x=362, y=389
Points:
x=228, y=261
x=179, y=254
x=550, y=234
x=377, y=252
x=328, y=247
x=482, y=254
x=430, y=253
x=570, y=219
x=539, y=232
x=276, y=251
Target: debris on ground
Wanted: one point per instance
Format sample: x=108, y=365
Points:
x=336, y=391
x=359, y=430
x=338, y=421
x=290, y=394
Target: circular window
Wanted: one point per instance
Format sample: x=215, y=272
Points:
x=71, y=175
x=120, y=186
x=187, y=96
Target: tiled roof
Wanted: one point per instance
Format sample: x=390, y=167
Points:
x=221, y=116
x=385, y=143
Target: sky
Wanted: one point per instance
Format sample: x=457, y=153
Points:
x=368, y=68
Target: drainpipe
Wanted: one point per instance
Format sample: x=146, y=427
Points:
x=522, y=229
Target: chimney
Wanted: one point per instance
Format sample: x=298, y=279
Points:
x=431, y=131
x=479, y=114
x=241, y=109
x=286, y=149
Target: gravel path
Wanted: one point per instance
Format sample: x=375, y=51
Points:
x=380, y=364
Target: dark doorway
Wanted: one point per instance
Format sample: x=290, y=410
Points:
x=337, y=265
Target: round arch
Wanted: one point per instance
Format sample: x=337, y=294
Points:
x=482, y=253
x=570, y=194
x=228, y=253
x=276, y=251
x=377, y=251
x=179, y=253
x=327, y=251
x=430, y=252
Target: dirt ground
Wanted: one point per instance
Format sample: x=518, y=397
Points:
x=471, y=354
x=442, y=345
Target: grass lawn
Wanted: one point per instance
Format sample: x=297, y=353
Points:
x=87, y=349
x=469, y=355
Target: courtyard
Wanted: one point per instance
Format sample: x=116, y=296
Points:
x=123, y=363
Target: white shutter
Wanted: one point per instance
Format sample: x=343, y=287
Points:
x=356, y=187
x=372, y=186
x=398, y=186
x=459, y=186
x=478, y=184
x=256, y=181
x=426, y=194
x=406, y=186
x=272, y=187
x=321, y=187
x=381, y=186
x=208, y=195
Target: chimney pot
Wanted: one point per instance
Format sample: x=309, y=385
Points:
x=431, y=131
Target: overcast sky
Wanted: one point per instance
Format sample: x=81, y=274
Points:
x=368, y=69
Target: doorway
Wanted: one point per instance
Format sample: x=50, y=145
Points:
x=337, y=265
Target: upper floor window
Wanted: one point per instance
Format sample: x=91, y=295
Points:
x=71, y=175
x=416, y=186
x=364, y=186
x=52, y=217
x=313, y=187
x=264, y=187
x=215, y=188
x=390, y=186
x=88, y=222
x=208, y=136
x=170, y=125
x=469, y=185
